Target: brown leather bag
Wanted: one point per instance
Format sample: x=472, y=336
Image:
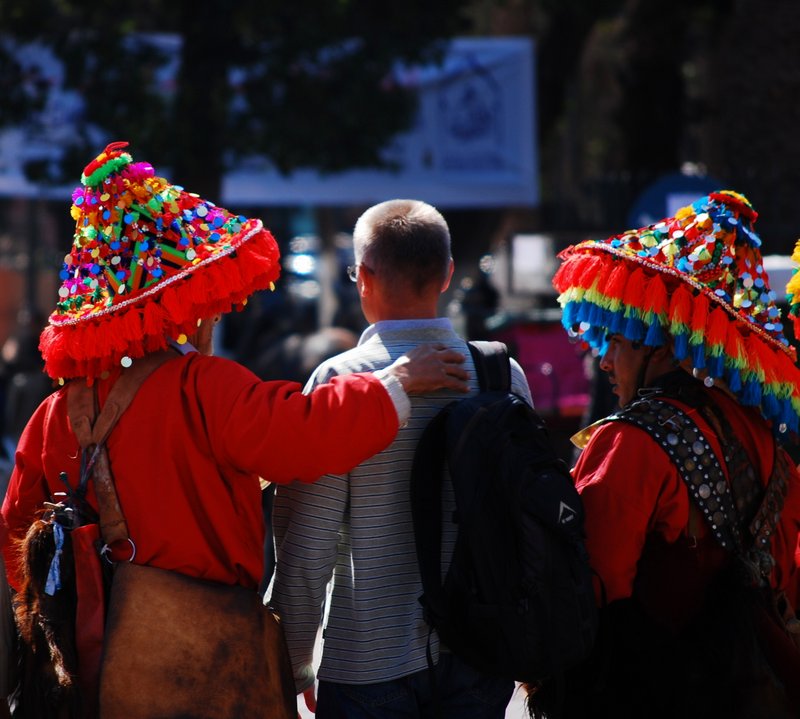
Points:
x=176, y=645
x=179, y=646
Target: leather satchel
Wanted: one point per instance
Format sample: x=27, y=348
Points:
x=176, y=645
x=180, y=646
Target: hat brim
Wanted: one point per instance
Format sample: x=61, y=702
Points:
x=603, y=292
x=94, y=343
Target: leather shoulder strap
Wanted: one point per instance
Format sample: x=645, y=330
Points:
x=698, y=465
x=81, y=407
x=92, y=434
x=694, y=458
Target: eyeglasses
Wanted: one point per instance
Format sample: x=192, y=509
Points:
x=352, y=271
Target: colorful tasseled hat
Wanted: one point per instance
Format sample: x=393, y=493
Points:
x=148, y=262
x=699, y=277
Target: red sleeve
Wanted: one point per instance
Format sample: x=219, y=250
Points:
x=629, y=488
x=27, y=490
x=274, y=430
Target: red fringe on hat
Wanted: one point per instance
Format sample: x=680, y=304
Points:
x=699, y=314
x=615, y=287
x=766, y=361
x=714, y=335
x=655, y=298
x=153, y=320
x=97, y=344
x=601, y=278
x=734, y=344
x=717, y=329
x=635, y=289
x=577, y=272
x=680, y=306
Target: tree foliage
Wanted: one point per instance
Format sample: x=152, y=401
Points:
x=305, y=83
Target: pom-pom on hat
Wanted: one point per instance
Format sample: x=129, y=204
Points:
x=148, y=262
x=698, y=277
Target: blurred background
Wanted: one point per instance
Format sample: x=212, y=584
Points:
x=531, y=124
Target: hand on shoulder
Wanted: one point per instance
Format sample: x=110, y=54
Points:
x=430, y=367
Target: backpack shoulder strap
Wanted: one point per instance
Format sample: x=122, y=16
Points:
x=427, y=479
x=493, y=365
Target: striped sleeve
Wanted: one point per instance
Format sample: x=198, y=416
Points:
x=306, y=521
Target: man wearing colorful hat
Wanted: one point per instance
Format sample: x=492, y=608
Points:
x=151, y=268
x=692, y=508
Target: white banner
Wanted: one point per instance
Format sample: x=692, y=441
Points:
x=472, y=145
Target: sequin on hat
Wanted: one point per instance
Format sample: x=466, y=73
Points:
x=148, y=260
x=699, y=278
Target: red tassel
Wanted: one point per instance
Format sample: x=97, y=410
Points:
x=153, y=319
x=52, y=344
x=787, y=371
x=734, y=344
x=680, y=306
x=717, y=333
x=767, y=359
x=699, y=313
x=615, y=286
x=575, y=271
x=89, y=345
x=49, y=340
x=172, y=305
x=602, y=273
x=198, y=288
x=754, y=356
x=561, y=277
x=248, y=272
x=635, y=290
x=109, y=339
x=131, y=326
x=656, y=299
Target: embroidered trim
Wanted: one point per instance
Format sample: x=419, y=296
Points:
x=752, y=326
x=726, y=507
x=696, y=461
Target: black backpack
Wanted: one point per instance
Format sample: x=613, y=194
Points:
x=517, y=599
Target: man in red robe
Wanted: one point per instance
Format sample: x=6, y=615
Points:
x=151, y=269
x=692, y=507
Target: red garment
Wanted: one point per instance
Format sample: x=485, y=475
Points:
x=188, y=453
x=632, y=491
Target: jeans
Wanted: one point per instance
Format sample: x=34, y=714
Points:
x=452, y=690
